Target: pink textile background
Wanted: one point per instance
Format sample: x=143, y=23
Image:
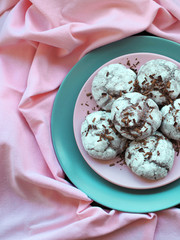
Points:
x=40, y=41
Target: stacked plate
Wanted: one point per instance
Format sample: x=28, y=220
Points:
x=109, y=183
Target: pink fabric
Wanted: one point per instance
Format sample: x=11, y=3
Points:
x=40, y=41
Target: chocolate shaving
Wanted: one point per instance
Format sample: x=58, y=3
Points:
x=106, y=131
x=107, y=74
x=149, y=154
x=168, y=84
x=156, y=84
x=89, y=127
x=112, y=164
x=176, y=146
x=128, y=63
x=134, y=70
x=151, y=117
x=110, y=138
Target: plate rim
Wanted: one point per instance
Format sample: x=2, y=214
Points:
x=64, y=166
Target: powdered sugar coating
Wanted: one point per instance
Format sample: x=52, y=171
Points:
x=151, y=158
x=135, y=116
x=110, y=83
x=171, y=120
x=99, y=137
x=160, y=79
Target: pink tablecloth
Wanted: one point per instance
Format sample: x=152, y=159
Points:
x=40, y=41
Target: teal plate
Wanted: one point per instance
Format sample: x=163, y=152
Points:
x=67, y=152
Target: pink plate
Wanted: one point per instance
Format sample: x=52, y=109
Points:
x=114, y=170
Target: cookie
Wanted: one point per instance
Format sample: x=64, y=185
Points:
x=135, y=116
x=111, y=82
x=151, y=158
x=171, y=120
x=99, y=137
x=160, y=80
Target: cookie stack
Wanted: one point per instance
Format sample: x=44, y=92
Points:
x=139, y=116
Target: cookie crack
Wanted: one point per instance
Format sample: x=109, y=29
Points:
x=162, y=165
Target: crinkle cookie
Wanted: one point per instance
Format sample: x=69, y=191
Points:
x=135, y=116
x=110, y=83
x=151, y=158
x=99, y=137
x=171, y=120
x=160, y=80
